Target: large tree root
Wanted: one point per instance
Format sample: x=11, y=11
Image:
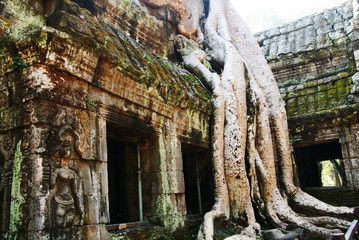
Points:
x=251, y=154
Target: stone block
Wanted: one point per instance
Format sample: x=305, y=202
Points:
x=291, y=111
x=102, y=150
x=92, y=208
x=104, y=210
x=323, y=41
x=176, y=182
x=39, y=235
x=325, y=29
x=302, y=109
x=273, y=50
x=86, y=180
x=151, y=160
x=291, y=103
x=337, y=34
x=302, y=100
x=103, y=178
x=312, y=107
x=179, y=162
x=34, y=140
x=87, y=130
x=352, y=163
x=181, y=203
x=39, y=213
x=91, y=232
x=304, y=22
x=331, y=94
x=5, y=216
x=67, y=57
x=92, y=177
x=156, y=182
x=95, y=232
x=353, y=149
x=339, y=26
x=40, y=175
x=7, y=193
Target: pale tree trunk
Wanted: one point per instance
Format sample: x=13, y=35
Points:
x=251, y=154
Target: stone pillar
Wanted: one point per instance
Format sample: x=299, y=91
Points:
x=350, y=148
x=170, y=201
x=93, y=172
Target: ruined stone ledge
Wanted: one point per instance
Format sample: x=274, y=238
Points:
x=343, y=115
x=313, y=65
x=81, y=56
x=112, y=46
x=337, y=196
x=134, y=20
x=174, y=86
x=320, y=29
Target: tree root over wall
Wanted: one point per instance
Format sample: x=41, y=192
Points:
x=251, y=155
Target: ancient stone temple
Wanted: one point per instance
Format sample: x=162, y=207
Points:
x=101, y=128
x=86, y=111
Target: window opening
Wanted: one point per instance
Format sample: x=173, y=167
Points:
x=321, y=165
x=332, y=173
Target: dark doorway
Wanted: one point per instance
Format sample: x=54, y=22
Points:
x=129, y=189
x=318, y=163
x=123, y=181
x=199, y=185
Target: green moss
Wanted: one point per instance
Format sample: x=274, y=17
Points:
x=26, y=21
x=17, y=199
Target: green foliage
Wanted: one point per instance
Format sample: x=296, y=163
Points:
x=145, y=74
x=148, y=59
x=328, y=174
x=168, y=66
x=90, y=103
x=18, y=63
x=189, y=77
x=123, y=65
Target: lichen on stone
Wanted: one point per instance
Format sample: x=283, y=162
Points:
x=26, y=20
x=17, y=198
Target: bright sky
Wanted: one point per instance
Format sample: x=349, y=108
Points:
x=264, y=14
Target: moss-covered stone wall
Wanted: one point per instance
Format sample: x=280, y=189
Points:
x=314, y=60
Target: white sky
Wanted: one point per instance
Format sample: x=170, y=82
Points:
x=264, y=14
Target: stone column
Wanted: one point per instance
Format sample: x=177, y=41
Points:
x=170, y=201
x=350, y=148
x=95, y=180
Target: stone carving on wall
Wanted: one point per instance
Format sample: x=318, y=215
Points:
x=64, y=182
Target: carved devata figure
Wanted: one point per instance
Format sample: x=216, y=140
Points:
x=64, y=182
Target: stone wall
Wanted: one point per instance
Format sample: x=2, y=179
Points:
x=152, y=27
x=68, y=85
x=314, y=60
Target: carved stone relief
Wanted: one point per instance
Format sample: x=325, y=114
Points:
x=66, y=207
